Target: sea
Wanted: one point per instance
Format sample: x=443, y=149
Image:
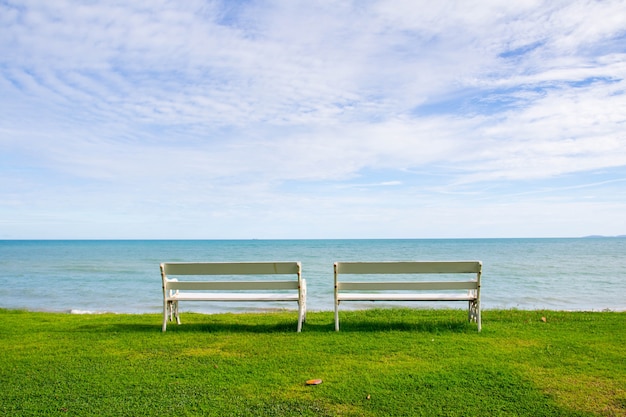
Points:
x=122, y=276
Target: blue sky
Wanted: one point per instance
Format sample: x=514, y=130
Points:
x=330, y=119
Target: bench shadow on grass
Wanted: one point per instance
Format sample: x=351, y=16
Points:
x=374, y=320
x=407, y=326
x=405, y=319
x=233, y=328
x=347, y=326
x=200, y=323
x=315, y=328
x=208, y=328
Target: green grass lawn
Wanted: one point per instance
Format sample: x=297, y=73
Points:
x=398, y=362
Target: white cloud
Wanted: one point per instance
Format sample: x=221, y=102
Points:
x=213, y=104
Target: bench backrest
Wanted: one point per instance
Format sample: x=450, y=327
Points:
x=432, y=267
x=230, y=268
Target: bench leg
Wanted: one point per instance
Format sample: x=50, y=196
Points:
x=478, y=319
x=304, y=300
x=336, y=316
x=175, y=308
x=301, y=314
x=474, y=313
x=170, y=310
x=300, y=319
x=165, y=315
x=301, y=305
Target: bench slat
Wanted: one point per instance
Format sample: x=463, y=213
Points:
x=233, y=297
x=404, y=297
x=453, y=267
x=231, y=285
x=409, y=285
x=227, y=268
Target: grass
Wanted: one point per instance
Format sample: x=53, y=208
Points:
x=394, y=362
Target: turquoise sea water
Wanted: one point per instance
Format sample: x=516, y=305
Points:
x=123, y=276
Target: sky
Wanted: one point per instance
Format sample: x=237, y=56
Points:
x=289, y=119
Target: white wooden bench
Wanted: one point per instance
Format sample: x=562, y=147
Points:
x=228, y=289
x=410, y=290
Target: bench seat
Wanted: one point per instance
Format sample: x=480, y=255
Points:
x=232, y=297
x=404, y=297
